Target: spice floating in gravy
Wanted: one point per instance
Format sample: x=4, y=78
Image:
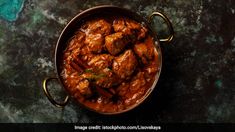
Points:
x=109, y=64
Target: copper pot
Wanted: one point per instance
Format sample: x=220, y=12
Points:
x=73, y=25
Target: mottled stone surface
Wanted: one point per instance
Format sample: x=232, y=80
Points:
x=10, y=9
x=197, y=83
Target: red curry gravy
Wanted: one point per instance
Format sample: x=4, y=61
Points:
x=110, y=64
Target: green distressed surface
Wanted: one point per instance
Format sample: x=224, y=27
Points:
x=196, y=84
x=9, y=9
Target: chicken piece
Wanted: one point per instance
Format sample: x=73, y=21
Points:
x=94, y=42
x=125, y=64
x=119, y=25
x=115, y=43
x=83, y=87
x=79, y=36
x=145, y=51
x=137, y=29
x=126, y=25
x=72, y=79
x=86, y=54
x=132, y=25
x=95, y=32
x=134, y=30
x=101, y=61
x=104, y=78
x=141, y=50
x=108, y=79
x=76, y=42
x=98, y=26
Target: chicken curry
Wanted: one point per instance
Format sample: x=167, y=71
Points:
x=109, y=64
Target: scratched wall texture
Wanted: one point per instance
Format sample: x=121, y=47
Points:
x=197, y=83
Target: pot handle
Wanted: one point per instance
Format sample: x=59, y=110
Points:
x=164, y=17
x=45, y=89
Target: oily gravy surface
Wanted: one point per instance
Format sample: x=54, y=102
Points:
x=109, y=64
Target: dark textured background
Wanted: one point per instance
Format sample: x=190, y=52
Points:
x=197, y=83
